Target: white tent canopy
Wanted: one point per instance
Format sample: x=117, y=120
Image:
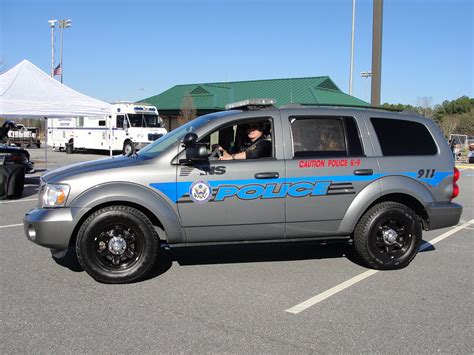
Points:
x=26, y=91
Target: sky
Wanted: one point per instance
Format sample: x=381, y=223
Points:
x=126, y=50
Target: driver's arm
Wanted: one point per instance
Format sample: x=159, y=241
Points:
x=227, y=156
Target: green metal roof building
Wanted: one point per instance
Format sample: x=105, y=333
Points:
x=211, y=97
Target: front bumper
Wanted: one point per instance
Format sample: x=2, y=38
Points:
x=443, y=214
x=51, y=228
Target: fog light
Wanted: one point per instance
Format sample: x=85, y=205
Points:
x=31, y=232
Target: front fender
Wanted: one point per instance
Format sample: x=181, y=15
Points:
x=389, y=185
x=129, y=192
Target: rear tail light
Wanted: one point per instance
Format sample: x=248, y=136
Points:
x=455, y=185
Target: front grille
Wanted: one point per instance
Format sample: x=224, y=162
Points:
x=154, y=136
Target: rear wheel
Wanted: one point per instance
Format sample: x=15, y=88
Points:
x=117, y=244
x=388, y=236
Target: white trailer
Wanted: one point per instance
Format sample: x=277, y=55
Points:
x=130, y=127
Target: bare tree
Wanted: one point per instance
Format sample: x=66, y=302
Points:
x=424, y=106
x=449, y=124
x=187, y=111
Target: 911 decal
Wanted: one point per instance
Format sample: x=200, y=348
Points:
x=428, y=173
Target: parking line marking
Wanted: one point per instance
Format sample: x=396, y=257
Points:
x=16, y=201
x=342, y=286
x=433, y=241
x=11, y=225
x=328, y=293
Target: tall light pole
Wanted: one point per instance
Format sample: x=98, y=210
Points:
x=52, y=24
x=376, y=52
x=352, y=46
x=367, y=75
x=62, y=25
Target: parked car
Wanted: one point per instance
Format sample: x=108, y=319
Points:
x=330, y=174
x=11, y=154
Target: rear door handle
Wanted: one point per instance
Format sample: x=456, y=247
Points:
x=270, y=175
x=364, y=172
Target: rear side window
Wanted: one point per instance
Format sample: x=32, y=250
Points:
x=325, y=137
x=400, y=137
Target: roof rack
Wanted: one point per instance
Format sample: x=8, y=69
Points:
x=251, y=104
x=342, y=105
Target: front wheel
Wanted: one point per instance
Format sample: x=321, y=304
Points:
x=388, y=236
x=117, y=244
x=128, y=148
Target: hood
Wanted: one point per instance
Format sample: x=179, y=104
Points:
x=70, y=171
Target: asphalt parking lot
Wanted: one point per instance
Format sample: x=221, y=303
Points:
x=300, y=298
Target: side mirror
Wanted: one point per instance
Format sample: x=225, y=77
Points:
x=196, y=152
x=190, y=139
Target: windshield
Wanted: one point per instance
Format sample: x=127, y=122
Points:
x=141, y=120
x=178, y=134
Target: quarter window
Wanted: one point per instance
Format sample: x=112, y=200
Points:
x=325, y=137
x=401, y=137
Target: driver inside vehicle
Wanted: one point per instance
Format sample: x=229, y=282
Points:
x=255, y=147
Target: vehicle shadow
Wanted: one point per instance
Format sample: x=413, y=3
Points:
x=247, y=253
x=426, y=246
x=257, y=252
x=31, y=186
x=238, y=253
x=225, y=254
x=69, y=261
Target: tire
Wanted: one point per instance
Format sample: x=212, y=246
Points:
x=128, y=148
x=117, y=244
x=388, y=236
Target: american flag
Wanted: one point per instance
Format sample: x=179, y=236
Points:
x=57, y=70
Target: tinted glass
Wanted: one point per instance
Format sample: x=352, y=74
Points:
x=325, y=137
x=120, y=119
x=400, y=137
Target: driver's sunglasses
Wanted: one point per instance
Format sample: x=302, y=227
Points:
x=253, y=127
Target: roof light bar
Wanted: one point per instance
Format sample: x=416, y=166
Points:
x=251, y=104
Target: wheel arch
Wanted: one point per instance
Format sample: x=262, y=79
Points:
x=150, y=215
x=154, y=206
x=392, y=188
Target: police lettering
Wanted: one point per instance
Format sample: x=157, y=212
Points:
x=336, y=163
x=255, y=191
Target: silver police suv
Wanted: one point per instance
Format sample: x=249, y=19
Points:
x=370, y=177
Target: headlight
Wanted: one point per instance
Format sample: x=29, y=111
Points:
x=55, y=195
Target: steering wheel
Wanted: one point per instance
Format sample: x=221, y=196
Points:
x=216, y=154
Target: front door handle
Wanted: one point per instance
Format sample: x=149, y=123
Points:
x=364, y=172
x=267, y=175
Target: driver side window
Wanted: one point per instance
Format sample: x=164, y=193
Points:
x=252, y=136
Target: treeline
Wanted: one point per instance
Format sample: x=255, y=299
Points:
x=456, y=116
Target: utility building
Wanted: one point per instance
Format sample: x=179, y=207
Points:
x=212, y=97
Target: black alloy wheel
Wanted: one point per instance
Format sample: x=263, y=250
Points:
x=117, y=244
x=388, y=236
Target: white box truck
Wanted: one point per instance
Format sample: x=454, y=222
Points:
x=130, y=127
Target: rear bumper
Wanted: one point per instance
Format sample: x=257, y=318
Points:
x=442, y=215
